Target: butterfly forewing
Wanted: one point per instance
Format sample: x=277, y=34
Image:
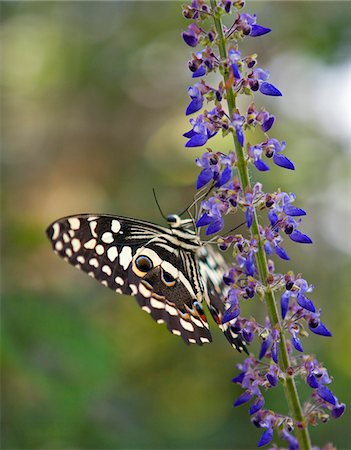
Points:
x=141, y=259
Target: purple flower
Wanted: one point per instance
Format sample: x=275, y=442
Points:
x=274, y=148
x=212, y=218
x=292, y=441
x=243, y=398
x=200, y=133
x=256, y=405
x=234, y=57
x=338, y=410
x=249, y=27
x=238, y=122
x=191, y=37
x=196, y=99
x=266, y=437
x=258, y=81
x=233, y=309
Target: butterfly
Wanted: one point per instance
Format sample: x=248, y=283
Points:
x=169, y=270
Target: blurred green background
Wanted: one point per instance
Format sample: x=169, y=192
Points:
x=93, y=100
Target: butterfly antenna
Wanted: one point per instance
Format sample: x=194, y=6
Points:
x=158, y=205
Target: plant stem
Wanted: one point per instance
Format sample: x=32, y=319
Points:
x=291, y=393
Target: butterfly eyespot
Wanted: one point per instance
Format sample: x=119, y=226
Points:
x=144, y=263
x=168, y=279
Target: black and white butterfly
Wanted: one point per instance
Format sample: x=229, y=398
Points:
x=168, y=270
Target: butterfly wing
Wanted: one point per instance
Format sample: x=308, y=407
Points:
x=212, y=268
x=108, y=248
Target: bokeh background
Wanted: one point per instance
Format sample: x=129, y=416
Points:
x=93, y=100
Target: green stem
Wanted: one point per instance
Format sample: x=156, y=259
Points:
x=291, y=393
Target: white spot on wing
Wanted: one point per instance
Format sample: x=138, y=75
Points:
x=119, y=280
x=112, y=253
x=93, y=225
x=146, y=308
x=104, y=282
x=107, y=270
x=115, y=226
x=94, y=262
x=157, y=304
x=143, y=291
x=125, y=257
x=204, y=340
x=66, y=238
x=99, y=249
x=76, y=244
x=171, y=310
x=107, y=237
x=192, y=341
x=186, y=325
x=81, y=259
x=176, y=332
x=134, y=289
x=56, y=231
x=68, y=252
x=58, y=246
x=90, y=244
x=74, y=223
x=197, y=322
x=160, y=321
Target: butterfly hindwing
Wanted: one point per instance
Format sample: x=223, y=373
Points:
x=114, y=250
x=212, y=268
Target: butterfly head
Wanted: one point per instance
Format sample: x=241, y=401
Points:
x=175, y=221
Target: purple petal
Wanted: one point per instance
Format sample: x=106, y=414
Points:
x=197, y=140
x=235, y=70
x=205, y=219
x=291, y=210
x=284, y=303
x=297, y=343
x=200, y=72
x=245, y=397
x=273, y=379
x=189, y=134
x=256, y=406
x=261, y=165
x=258, y=30
x=266, y=437
x=269, y=89
x=240, y=135
x=320, y=329
x=225, y=177
x=190, y=39
x=273, y=217
x=305, y=303
x=231, y=313
x=249, y=217
x=267, y=125
x=204, y=177
x=338, y=410
x=283, y=161
x=326, y=394
x=312, y=381
x=274, y=352
x=302, y=238
x=215, y=226
x=194, y=105
x=239, y=378
x=281, y=253
x=265, y=346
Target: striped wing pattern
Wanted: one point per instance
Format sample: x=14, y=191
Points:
x=106, y=247
x=181, y=272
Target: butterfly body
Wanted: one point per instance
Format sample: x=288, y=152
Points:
x=168, y=270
